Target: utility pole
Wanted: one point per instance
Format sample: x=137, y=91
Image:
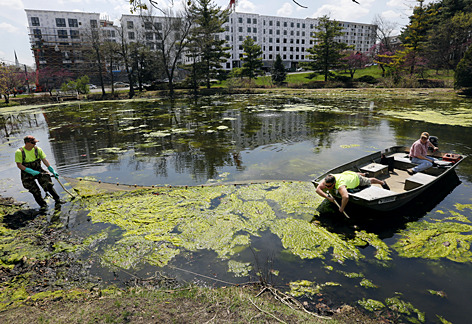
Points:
x=26, y=77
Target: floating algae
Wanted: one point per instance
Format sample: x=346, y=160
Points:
x=436, y=240
x=366, y=283
x=312, y=241
x=371, y=304
x=240, y=269
x=304, y=287
x=382, y=250
x=221, y=219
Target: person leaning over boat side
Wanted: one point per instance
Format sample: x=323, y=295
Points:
x=28, y=159
x=344, y=181
x=419, y=154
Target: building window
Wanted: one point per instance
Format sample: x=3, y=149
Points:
x=93, y=23
x=277, y=31
x=34, y=21
x=73, y=23
x=62, y=33
x=131, y=35
x=248, y=20
x=240, y=29
x=285, y=24
x=254, y=21
x=158, y=26
x=270, y=31
x=291, y=33
x=254, y=29
x=277, y=40
x=303, y=25
x=227, y=37
x=270, y=39
x=147, y=25
x=270, y=48
x=285, y=32
x=277, y=48
x=149, y=36
x=292, y=24
x=285, y=57
x=240, y=20
x=255, y=38
x=130, y=24
x=278, y=23
x=37, y=33
x=270, y=56
x=249, y=29
x=298, y=25
x=291, y=57
x=60, y=22
x=74, y=34
x=270, y=22
x=240, y=38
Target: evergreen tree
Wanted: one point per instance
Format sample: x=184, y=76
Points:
x=327, y=52
x=207, y=50
x=252, y=60
x=463, y=74
x=278, y=71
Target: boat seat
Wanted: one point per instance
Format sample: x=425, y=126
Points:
x=418, y=179
x=372, y=192
x=402, y=161
x=375, y=170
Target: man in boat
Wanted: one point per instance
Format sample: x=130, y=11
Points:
x=343, y=182
x=28, y=159
x=419, y=154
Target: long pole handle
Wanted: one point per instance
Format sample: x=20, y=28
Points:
x=64, y=187
x=337, y=204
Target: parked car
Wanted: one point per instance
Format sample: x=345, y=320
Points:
x=120, y=85
x=92, y=86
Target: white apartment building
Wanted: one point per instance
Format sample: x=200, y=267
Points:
x=60, y=38
x=289, y=37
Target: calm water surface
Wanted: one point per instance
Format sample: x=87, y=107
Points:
x=247, y=138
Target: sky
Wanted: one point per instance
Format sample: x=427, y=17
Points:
x=14, y=31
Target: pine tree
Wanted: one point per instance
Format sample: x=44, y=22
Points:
x=207, y=50
x=463, y=74
x=327, y=52
x=252, y=59
x=278, y=71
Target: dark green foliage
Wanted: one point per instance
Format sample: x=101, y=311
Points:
x=463, y=74
x=327, y=52
x=252, y=60
x=368, y=79
x=278, y=71
x=205, y=48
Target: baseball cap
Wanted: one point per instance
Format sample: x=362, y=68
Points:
x=425, y=134
x=30, y=139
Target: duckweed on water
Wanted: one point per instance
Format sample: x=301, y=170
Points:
x=218, y=218
x=304, y=287
x=436, y=240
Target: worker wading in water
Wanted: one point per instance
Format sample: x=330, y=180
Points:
x=28, y=159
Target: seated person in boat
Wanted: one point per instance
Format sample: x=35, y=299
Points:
x=344, y=181
x=419, y=154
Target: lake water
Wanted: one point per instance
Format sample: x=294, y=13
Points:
x=245, y=138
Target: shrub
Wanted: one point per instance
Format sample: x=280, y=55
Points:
x=367, y=79
x=463, y=74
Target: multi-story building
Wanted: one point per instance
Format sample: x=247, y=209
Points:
x=289, y=37
x=61, y=39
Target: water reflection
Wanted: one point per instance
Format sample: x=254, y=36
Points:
x=248, y=138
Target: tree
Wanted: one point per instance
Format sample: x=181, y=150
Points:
x=354, y=61
x=94, y=38
x=206, y=49
x=252, y=59
x=80, y=85
x=326, y=52
x=173, y=30
x=53, y=77
x=112, y=58
x=414, y=37
x=383, y=36
x=463, y=74
x=278, y=71
x=125, y=49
